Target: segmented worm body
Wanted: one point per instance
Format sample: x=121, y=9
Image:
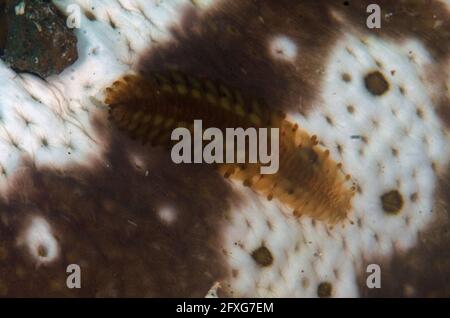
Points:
x=149, y=108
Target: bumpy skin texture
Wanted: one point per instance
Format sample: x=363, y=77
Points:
x=139, y=225
x=149, y=109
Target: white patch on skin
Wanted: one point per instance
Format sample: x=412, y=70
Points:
x=283, y=48
x=40, y=241
x=306, y=253
x=60, y=108
x=167, y=215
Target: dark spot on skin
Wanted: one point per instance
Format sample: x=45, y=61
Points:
x=324, y=290
x=419, y=112
x=262, y=256
x=111, y=22
x=376, y=237
x=394, y=152
x=375, y=83
x=90, y=15
x=359, y=222
x=359, y=189
x=339, y=148
x=361, y=152
x=346, y=77
x=44, y=142
x=350, y=109
x=379, y=64
x=434, y=166
x=42, y=251
x=392, y=202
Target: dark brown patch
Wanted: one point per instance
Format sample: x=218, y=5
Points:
x=242, y=59
x=42, y=251
x=89, y=15
x=346, y=77
x=324, y=290
x=376, y=83
x=392, y=202
x=262, y=256
x=105, y=218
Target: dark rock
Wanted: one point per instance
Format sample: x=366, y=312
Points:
x=38, y=40
x=3, y=26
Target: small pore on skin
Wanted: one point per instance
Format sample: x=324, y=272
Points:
x=392, y=202
x=283, y=48
x=262, y=256
x=376, y=83
x=42, y=251
x=324, y=290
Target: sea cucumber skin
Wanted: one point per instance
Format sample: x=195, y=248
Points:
x=308, y=180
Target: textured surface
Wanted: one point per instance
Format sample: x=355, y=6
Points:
x=75, y=190
x=37, y=38
x=307, y=181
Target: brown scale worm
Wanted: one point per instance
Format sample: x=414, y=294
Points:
x=308, y=180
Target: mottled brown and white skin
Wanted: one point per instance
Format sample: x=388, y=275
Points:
x=76, y=189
